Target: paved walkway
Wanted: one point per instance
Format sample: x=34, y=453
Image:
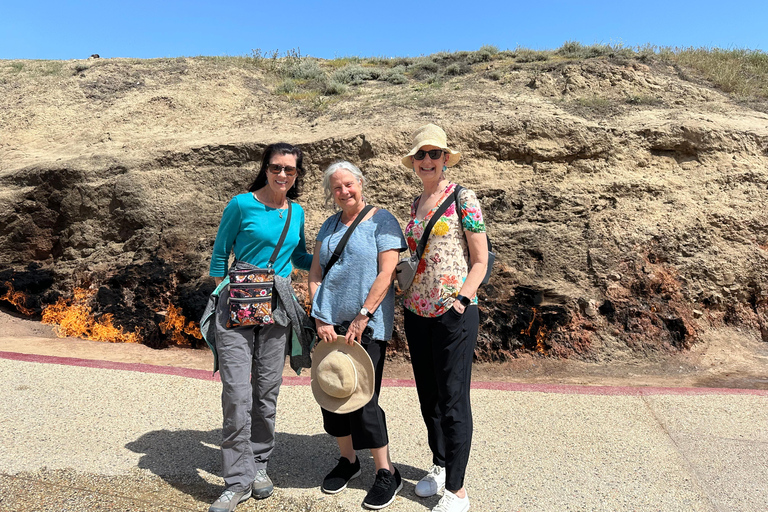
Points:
x=79, y=434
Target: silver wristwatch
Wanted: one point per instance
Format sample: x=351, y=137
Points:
x=365, y=312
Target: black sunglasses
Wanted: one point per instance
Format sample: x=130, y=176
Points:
x=434, y=154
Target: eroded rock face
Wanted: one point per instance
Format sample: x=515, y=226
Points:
x=631, y=235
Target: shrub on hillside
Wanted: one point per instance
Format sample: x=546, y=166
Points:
x=355, y=74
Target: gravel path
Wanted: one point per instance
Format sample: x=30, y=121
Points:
x=75, y=438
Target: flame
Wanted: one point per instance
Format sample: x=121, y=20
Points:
x=540, y=336
x=18, y=299
x=541, y=332
x=177, y=326
x=73, y=317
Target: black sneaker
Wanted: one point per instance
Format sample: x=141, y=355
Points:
x=384, y=489
x=339, y=477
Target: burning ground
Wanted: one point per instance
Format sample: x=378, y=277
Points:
x=622, y=228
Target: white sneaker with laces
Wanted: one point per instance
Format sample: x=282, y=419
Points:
x=452, y=503
x=432, y=483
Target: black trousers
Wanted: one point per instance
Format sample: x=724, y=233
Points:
x=367, y=426
x=441, y=355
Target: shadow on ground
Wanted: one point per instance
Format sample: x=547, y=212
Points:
x=180, y=458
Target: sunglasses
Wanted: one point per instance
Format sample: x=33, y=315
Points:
x=277, y=169
x=434, y=154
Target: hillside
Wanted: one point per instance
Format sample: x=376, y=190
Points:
x=626, y=196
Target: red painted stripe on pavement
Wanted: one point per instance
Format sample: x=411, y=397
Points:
x=613, y=390
x=570, y=389
x=111, y=365
x=132, y=367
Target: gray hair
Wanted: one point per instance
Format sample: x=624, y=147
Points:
x=331, y=170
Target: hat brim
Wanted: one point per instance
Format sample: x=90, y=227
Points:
x=453, y=156
x=365, y=377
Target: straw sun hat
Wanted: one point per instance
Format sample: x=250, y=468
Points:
x=431, y=135
x=342, y=376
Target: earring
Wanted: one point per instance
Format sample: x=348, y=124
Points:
x=444, y=168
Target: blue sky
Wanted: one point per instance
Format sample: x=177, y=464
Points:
x=70, y=30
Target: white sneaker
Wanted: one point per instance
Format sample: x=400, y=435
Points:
x=432, y=483
x=452, y=503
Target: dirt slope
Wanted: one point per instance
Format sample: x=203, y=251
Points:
x=626, y=204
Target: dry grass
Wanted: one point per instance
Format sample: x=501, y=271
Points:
x=740, y=72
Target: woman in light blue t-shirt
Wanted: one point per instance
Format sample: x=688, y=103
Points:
x=356, y=298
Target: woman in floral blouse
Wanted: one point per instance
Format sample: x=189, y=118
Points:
x=441, y=316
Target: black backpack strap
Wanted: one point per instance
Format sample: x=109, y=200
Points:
x=343, y=242
x=279, y=245
x=456, y=192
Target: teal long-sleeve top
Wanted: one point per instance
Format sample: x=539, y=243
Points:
x=252, y=230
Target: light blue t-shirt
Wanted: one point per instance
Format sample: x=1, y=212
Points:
x=251, y=230
x=345, y=288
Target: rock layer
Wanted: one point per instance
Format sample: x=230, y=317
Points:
x=629, y=231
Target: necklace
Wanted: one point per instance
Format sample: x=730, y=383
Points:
x=431, y=201
x=280, y=211
x=335, y=229
x=440, y=191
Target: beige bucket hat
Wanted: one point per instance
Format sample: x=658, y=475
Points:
x=431, y=135
x=342, y=376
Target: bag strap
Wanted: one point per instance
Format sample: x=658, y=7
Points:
x=279, y=245
x=343, y=242
x=427, y=230
x=456, y=192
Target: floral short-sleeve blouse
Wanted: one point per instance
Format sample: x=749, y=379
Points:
x=444, y=265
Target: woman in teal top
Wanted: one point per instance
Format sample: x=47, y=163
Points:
x=250, y=228
x=251, y=359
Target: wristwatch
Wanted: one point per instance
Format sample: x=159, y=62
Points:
x=365, y=312
x=464, y=300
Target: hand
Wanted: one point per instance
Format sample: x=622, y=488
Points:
x=356, y=328
x=459, y=307
x=325, y=331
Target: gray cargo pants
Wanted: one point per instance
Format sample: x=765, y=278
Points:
x=251, y=367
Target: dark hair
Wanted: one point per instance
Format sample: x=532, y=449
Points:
x=280, y=148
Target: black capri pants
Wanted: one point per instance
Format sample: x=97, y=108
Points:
x=368, y=425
